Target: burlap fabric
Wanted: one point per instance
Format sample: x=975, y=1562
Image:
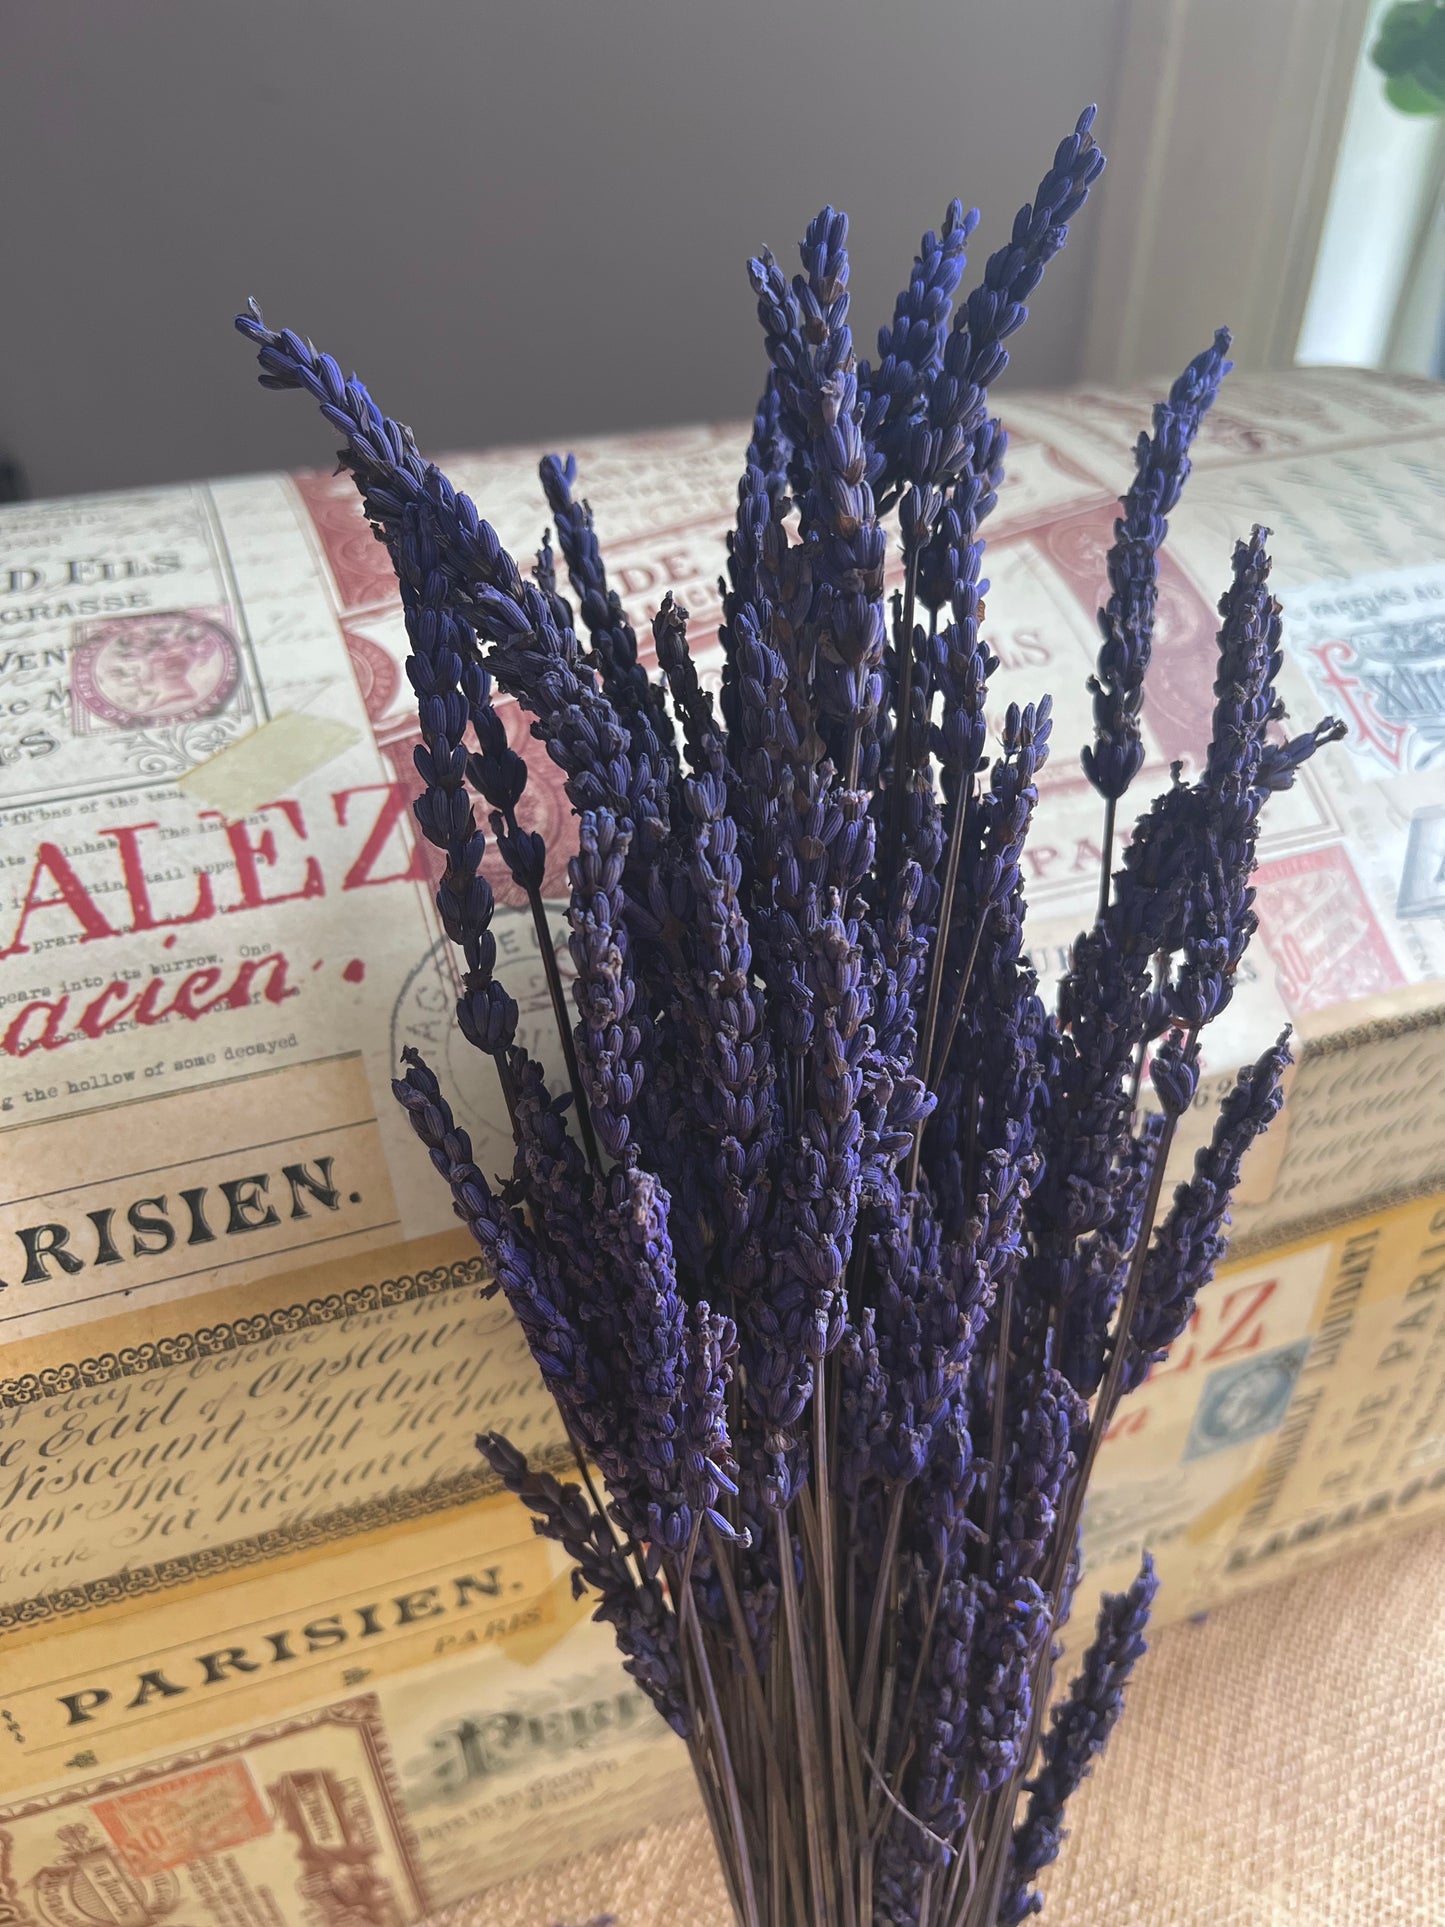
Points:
x=1281, y=1764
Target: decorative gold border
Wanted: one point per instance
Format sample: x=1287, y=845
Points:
x=210, y=1340
x=1324, y=1223
x=1374, y=1030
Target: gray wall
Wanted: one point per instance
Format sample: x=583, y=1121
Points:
x=519, y=219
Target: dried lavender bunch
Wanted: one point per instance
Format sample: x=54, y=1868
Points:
x=840, y=1249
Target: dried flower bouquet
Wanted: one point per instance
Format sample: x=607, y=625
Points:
x=840, y=1249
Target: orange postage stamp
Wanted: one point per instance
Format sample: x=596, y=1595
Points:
x=205, y=1811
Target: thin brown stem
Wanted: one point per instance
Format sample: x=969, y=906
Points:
x=880, y=1781
x=937, y=961
x=868, y=1673
x=848, y=1785
x=585, y=1473
x=960, y=998
x=1000, y=1396
x=758, y=1708
x=717, y=1739
x=925, y=1647
x=820, y=1864
x=564, y=1027
x=702, y=1771
x=903, y=718
x=1106, y=861
x=965, y=1856
x=989, y=1890
x=1108, y=1398
x=881, y=1724
x=981, y=1907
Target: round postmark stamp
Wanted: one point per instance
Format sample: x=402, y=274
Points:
x=424, y=1018
x=172, y=666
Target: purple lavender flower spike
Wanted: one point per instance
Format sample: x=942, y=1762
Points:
x=997, y=309
x=706, y=750
x=394, y=482
x=1088, y=1313
x=381, y=454
x=787, y=415
x=938, y=1793
x=438, y=668
x=810, y=347
x=974, y=355
x=614, y=643
x=905, y=950
x=939, y=1790
x=910, y=348
x=770, y=450
x=838, y=512
x=1013, y=1626
x=532, y=1286
x=797, y=1316
x=949, y=575
x=862, y=1403
x=610, y=1031
x=734, y=1095
x=988, y=978
x=1174, y=1073
x=1193, y=1237
x=1241, y=769
x=1049, y=1420
x=1280, y=763
x=755, y=543
x=534, y=654
x=633, y=1227
x=1104, y=1001
x=552, y=1184
x=915, y=1364
x=645, y=1628
x=712, y=1342
x=1081, y=1726
x=1126, y=622
x=948, y=566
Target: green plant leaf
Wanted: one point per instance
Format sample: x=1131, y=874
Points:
x=1406, y=93
x=1409, y=50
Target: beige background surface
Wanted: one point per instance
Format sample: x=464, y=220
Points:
x=1281, y=1764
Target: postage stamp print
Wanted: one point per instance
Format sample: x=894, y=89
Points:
x=1324, y=938
x=1244, y=1401
x=133, y=672
x=1374, y=651
x=208, y=1810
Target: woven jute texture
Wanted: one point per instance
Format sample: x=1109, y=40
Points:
x=1281, y=1764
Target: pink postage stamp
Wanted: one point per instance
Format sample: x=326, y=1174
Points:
x=173, y=666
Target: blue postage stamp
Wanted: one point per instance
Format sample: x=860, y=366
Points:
x=1244, y=1401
